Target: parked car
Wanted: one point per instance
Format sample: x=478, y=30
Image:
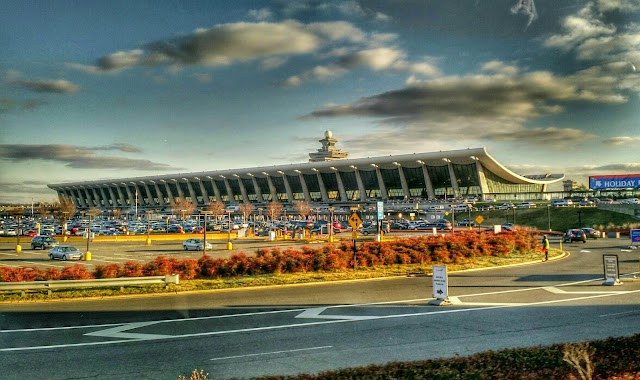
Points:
x=574, y=234
x=195, y=245
x=466, y=223
x=591, y=233
x=65, y=252
x=43, y=241
x=562, y=203
x=370, y=229
x=527, y=205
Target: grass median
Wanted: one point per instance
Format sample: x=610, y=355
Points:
x=281, y=279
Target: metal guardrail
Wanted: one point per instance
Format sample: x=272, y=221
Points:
x=97, y=283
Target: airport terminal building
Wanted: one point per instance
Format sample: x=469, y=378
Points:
x=330, y=177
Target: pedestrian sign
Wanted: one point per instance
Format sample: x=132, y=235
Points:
x=355, y=220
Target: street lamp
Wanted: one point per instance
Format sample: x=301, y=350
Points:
x=331, y=224
x=204, y=245
x=229, y=244
x=148, y=241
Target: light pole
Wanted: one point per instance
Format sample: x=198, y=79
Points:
x=549, y=216
x=331, y=224
x=148, y=241
x=229, y=244
x=204, y=246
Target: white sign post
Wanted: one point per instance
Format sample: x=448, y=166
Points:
x=611, y=271
x=440, y=287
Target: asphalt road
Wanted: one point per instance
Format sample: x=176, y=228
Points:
x=312, y=328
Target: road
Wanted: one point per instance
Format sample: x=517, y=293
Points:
x=312, y=328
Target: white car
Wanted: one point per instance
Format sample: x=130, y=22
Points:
x=65, y=252
x=527, y=205
x=195, y=245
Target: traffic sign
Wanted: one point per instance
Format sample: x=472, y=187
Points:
x=355, y=221
x=440, y=287
x=479, y=219
x=354, y=234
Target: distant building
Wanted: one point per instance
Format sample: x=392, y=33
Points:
x=569, y=185
x=329, y=177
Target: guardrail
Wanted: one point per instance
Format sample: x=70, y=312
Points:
x=97, y=283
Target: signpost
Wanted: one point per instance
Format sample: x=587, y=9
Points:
x=440, y=287
x=611, y=272
x=354, y=221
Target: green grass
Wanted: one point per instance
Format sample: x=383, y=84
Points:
x=562, y=218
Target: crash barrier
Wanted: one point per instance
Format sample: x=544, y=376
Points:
x=94, y=283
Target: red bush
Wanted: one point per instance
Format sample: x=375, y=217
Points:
x=107, y=271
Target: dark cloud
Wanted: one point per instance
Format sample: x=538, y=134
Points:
x=78, y=157
x=60, y=86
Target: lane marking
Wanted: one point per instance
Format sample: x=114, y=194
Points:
x=553, y=289
x=315, y=314
x=272, y=353
x=621, y=313
x=117, y=332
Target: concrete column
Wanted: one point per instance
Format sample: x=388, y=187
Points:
x=256, y=188
x=112, y=195
x=427, y=180
x=105, y=197
x=287, y=187
x=229, y=190
x=88, y=197
x=180, y=192
x=170, y=194
x=98, y=199
x=205, y=195
x=454, y=180
x=361, y=189
x=272, y=189
x=80, y=199
x=216, y=191
x=130, y=195
x=305, y=188
x=323, y=189
x=482, y=178
x=243, y=191
x=192, y=193
x=160, y=194
x=403, y=182
x=123, y=200
x=383, y=189
x=343, y=192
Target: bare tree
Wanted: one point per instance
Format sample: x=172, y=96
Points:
x=246, y=209
x=216, y=209
x=93, y=212
x=303, y=208
x=117, y=213
x=64, y=210
x=184, y=207
x=274, y=209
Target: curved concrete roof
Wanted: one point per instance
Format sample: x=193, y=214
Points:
x=413, y=160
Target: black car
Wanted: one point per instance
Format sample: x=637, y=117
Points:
x=574, y=234
x=43, y=241
x=591, y=233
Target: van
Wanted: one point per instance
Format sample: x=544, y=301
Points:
x=462, y=207
x=562, y=203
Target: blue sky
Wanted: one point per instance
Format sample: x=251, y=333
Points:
x=109, y=89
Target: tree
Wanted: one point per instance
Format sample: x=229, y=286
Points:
x=274, y=209
x=246, y=209
x=93, y=212
x=117, y=213
x=64, y=210
x=184, y=207
x=303, y=208
x=216, y=209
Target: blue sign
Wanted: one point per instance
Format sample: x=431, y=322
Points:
x=635, y=236
x=380, y=210
x=614, y=181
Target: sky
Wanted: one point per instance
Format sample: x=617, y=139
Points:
x=110, y=89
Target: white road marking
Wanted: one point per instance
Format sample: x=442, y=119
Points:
x=114, y=332
x=621, y=313
x=315, y=314
x=553, y=289
x=272, y=353
x=117, y=332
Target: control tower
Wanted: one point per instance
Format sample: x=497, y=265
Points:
x=328, y=152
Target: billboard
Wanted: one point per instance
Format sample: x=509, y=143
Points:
x=614, y=181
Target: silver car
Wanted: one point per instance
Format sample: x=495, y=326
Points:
x=195, y=244
x=65, y=252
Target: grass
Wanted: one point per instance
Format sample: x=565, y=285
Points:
x=276, y=279
x=562, y=218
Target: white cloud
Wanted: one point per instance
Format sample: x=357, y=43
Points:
x=60, y=86
x=620, y=140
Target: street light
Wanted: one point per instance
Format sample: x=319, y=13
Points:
x=331, y=225
x=229, y=244
x=204, y=245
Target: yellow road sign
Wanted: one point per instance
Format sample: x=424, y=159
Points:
x=355, y=220
x=479, y=219
x=354, y=234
